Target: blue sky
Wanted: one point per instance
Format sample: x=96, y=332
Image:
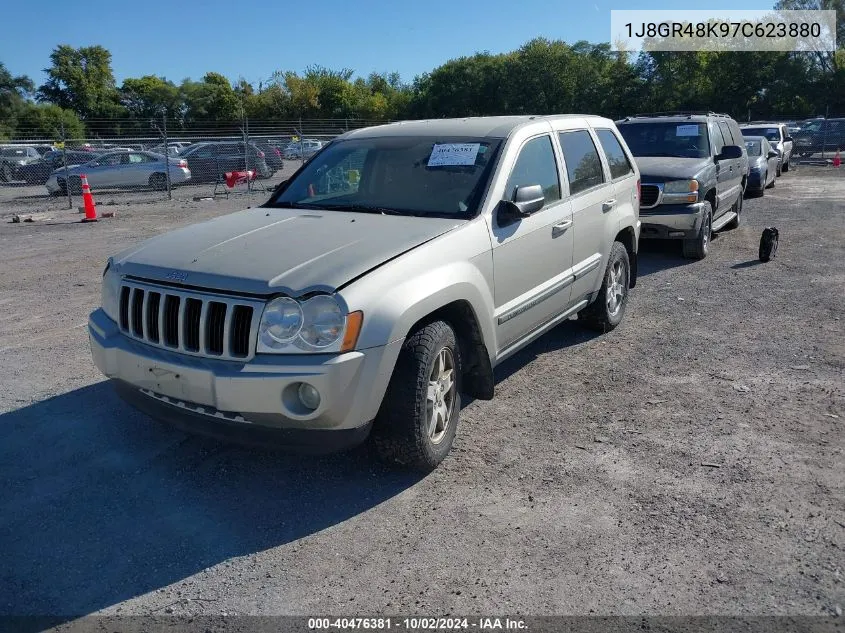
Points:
x=181, y=38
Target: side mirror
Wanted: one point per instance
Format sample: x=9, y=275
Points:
x=730, y=152
x=788, y=139
x=773, y=154
x=527, y=199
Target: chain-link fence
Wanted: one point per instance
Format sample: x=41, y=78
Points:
x=199, y=161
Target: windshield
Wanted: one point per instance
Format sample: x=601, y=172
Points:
x=678, y=139
x=753, y=147
x=403, y=175
x=771, y=133
x=11, y=152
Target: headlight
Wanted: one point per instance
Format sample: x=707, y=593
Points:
x=324, y=321
x=110, y=295
x=319, y=324
x=680, y=186
x=281, y=322
x=675, y=191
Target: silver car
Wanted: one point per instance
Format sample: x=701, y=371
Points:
x=388, y=277
x=779, y=136
x=121, y=169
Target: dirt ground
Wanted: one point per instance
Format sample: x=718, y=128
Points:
x=690, y=462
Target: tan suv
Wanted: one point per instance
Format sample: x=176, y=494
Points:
x=388, y=276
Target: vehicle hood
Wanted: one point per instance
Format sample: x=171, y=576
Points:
x=289, y=251
x=663, y=168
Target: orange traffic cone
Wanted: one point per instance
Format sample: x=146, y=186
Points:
x=837, y=159
x=88, y=201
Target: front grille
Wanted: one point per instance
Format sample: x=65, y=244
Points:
x=189, y=322
x=649, y=195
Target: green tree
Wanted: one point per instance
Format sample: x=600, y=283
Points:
x=147, y=97
x=81, y=79
x=45, y=121
x=211, y=100
x=13, y=94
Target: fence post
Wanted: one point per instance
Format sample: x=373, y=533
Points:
x=245, y=131
x=301, y=144
x=64, y=162
x=166, y=153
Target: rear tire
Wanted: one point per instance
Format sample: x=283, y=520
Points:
x=158, y=181
x=608, y=309
x=6, y=173
x=699, y=246
x=418, y=418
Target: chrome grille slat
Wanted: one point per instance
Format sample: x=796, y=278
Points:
x=227, y=328
x=180, y=327
x=191, y=322
x=203, y=338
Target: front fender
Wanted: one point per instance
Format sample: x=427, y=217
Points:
x=402, y=305
x=457, y=266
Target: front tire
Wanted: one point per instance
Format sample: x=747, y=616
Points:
x=418, y=418
x=607, y=311
x=699, y=246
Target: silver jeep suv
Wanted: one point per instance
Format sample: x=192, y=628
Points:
x=389, y=275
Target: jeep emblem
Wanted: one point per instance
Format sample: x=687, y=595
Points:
x=177, y=275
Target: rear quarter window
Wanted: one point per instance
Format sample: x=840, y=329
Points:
x=617, y=159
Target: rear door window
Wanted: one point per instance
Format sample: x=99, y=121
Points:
x=726, y=133
x=618, y=161
x=583, y=165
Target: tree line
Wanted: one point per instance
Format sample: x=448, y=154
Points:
x=543, y=76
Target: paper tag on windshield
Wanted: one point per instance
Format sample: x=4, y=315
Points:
x=687, y=130
x=453, y=154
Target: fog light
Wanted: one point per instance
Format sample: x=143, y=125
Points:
x=308, y=396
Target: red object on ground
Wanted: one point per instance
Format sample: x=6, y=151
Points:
x=238, y=177
x=837, y=159
x=88, y=201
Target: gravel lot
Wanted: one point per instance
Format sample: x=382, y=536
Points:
x=580, y=489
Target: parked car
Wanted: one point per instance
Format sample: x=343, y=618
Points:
x=332, y=313
x=304, y=149
x=763, y=162
x=820, y=135
x=13, y=157
x=778, y=135
x=210, y=161
x=272, y=155
x=37, y=172
x=694, y=170
x=121, y=169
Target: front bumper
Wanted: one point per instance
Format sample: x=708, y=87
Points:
x=672, y=221
x=254, y=401
x=755, y=181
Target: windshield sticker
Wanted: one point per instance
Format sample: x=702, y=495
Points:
x=687, y=130
x=453, y=154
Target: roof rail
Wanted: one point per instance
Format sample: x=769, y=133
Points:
x=680, y=113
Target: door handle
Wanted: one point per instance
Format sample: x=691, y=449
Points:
x=607, y=205
x=560, y=227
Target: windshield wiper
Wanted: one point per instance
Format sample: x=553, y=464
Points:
x=292, y=205
x=363, y=208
